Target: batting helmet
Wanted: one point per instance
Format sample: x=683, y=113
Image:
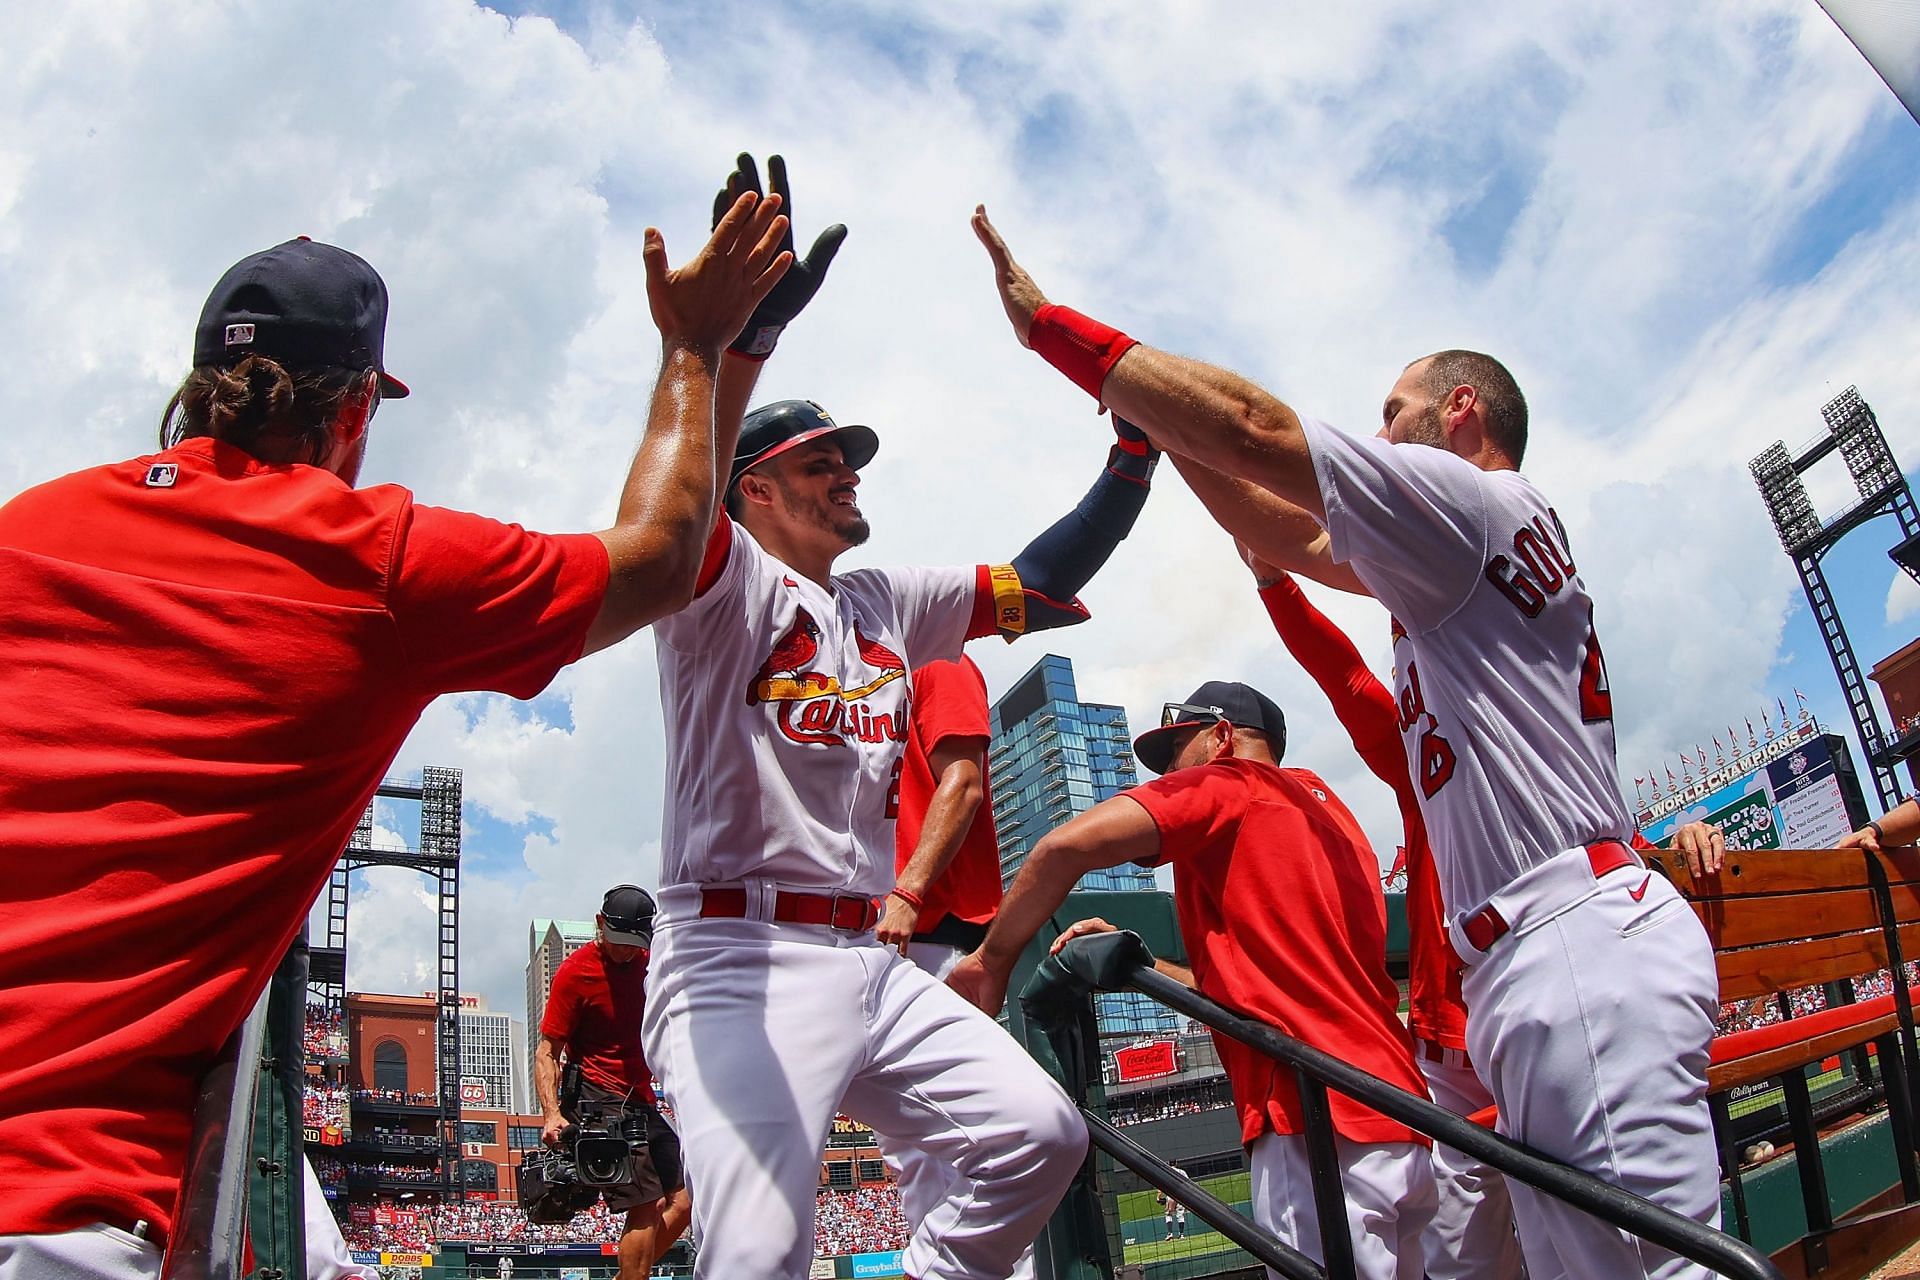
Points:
x=772, y=429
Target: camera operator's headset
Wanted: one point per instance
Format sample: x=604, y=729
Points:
x=626, y=913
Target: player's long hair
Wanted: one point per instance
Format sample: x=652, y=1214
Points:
x=258, y=405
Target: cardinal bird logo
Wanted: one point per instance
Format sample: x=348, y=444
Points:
x=784, y=676
x=812, y=706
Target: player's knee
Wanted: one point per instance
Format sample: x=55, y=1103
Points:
x=1056, y=1137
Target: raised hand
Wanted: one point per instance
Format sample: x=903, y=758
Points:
x=1018, y=293
x=796, y=290
x=704, y=303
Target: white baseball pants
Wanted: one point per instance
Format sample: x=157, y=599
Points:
x=1471, y=1236
x=1390, y=1199
x=1589, y=1022
x=924, y=1178
x=761, y=1031
x=98, y=1252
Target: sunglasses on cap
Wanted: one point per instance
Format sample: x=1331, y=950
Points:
x=1173, y=713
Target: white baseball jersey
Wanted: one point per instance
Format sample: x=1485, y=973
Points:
x=1504, y=705
x=786, y=710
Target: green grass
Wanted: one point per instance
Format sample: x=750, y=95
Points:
x=1231, y=1187
x=1198, y=1243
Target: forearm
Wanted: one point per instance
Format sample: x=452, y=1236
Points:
x=667, y=503
x=956, y=802
x=546, y=1080
x=1901, y=825
x=1045, y=880
x=733, y=393
x=1274, y=529
x=1217, y=418
x=1056, y=565
x=1178, y=972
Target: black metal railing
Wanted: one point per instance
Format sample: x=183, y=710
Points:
x=1121, y=962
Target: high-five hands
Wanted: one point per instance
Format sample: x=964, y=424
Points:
x=704, y=303
x=790, y=297
x=1018, y=293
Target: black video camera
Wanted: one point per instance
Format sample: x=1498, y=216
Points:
x=596, y=1151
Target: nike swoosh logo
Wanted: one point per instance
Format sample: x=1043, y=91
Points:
x=1641, y=892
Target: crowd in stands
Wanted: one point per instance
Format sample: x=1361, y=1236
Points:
x=411, y=1097
x=1125, y=1113
x=397, y=1172
x=324, y=1104
x=1751, y=1015
x=326, y=1034
x=486, y=1221
x=865, y=1220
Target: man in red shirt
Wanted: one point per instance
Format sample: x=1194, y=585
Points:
x=213, y=654
x=1268, y=867
x=593, y=1014
x=947, y=868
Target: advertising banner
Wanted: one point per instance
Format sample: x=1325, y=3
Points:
x=1145, y=1061
x=876, y=1264
x=1794, y=802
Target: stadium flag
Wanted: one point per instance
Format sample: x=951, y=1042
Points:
x=1887, y=34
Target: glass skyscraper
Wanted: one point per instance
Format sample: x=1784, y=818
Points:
x=1054, y=756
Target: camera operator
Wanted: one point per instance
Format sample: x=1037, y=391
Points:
x=593, y=1017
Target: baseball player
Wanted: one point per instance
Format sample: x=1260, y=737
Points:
x=1471, y=1235
x=787, y=699
x=1278, y=896
x=1590, y=984
x=947, y=858
x=593, y=1019
x=213, y=653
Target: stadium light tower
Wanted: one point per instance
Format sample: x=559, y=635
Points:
x=1852, y=429
x=438, y=855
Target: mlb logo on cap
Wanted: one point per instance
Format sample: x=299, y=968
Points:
x=161, y=475
x=239, y=335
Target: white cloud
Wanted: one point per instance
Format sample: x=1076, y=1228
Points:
x=1269, y=190
x=1903, y=597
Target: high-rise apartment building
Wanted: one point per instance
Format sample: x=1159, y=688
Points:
x=548, y=943
x=1054, y=756
x=487, y=1054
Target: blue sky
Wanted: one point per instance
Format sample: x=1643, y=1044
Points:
x=1684, y=234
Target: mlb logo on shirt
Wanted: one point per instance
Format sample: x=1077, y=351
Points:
x=239, y=335
x=161, y=475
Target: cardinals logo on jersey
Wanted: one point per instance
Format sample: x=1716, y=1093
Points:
x=813, y=706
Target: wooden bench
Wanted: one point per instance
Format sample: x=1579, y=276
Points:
x=1784, y=919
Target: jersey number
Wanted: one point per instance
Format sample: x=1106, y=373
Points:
x=1436, y=758
x=893, y=792
x=1596, y=692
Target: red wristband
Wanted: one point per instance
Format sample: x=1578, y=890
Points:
x=1078, y=346
x=913, y=900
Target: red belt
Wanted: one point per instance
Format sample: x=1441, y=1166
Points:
x=835, y=910
x=1487, y=926
x=1434, y=1051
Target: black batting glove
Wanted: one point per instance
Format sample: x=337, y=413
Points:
x=803, y=279
x=1133, y=456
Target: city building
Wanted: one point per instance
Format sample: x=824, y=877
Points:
x=488, y=1058
x=1054, y=756
x=549, y=942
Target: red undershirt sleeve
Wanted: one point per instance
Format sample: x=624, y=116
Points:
x=714, y=563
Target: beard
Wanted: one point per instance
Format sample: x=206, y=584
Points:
x=1427, y=429
x=844, y=523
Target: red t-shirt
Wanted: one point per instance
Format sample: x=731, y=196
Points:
x=594, y=1009
x=949, y=701
x=1436, y=1009
x=210, y=662
x=1278, y=897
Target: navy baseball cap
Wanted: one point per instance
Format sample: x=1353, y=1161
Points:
x=626, y=916
x=1216, y=700
x=305, y=304
x=772, y=429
